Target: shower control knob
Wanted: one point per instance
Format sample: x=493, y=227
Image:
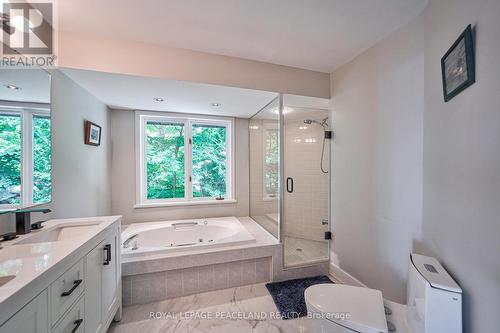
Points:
x=324, y=221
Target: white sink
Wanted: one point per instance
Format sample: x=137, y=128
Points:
x=59, y=233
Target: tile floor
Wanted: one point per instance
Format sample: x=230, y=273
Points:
x=212, y=312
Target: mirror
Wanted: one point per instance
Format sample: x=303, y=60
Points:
x=25, y=138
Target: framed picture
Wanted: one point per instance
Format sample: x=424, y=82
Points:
x=457, y=66
x=92, y=133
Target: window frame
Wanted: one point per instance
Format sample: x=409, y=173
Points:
x=26, y=116
x=142, y=118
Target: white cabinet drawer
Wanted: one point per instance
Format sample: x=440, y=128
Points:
x=65, y=290
x=73, y=321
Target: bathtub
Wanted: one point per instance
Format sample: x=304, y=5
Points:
x=181, y=235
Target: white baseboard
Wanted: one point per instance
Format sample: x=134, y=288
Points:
x=343, y=277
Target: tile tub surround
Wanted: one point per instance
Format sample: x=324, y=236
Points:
x=247, y=300
x=185, y=273
x=144, y=288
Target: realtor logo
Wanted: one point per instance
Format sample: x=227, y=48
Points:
x=27, y=28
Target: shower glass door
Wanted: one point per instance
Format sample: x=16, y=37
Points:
x=305, y=181
x=264, y=139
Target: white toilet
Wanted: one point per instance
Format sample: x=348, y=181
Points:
x=434, y=304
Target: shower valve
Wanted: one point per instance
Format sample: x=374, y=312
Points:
x=324, y=221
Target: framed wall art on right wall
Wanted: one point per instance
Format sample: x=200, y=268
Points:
x=458, y=65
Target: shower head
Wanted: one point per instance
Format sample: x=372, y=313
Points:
x=323, y=123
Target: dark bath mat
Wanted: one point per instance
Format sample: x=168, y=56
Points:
x=289, y=295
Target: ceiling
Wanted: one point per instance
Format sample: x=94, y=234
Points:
x=318, y=35
x=138, y=93
x=33, y=84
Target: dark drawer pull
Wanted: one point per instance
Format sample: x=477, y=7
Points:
x=75, y=285
x=77, y=324
x=107, y=249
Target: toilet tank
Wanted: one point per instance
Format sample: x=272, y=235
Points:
x=434, y=299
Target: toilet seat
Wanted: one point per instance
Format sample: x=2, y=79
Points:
x=364, y=306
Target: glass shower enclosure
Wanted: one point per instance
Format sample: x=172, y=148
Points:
x=289, y=176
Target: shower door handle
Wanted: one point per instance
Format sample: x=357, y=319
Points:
x=289, y=185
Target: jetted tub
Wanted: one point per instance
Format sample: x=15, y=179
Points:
x=142, y=239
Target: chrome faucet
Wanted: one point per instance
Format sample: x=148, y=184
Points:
x=126, y=243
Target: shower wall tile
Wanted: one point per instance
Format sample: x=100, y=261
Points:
x=308, y=205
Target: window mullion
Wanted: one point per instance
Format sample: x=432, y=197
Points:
x=188, y=162
x=229, y=162
x=143, y=161
x=27, y=158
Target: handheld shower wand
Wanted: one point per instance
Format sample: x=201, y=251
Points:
x=324, y=124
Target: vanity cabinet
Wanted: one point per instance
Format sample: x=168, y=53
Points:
x=74, y=320
x=110, y=274
x=102, y=277
x=32, y=318
x=81, y=296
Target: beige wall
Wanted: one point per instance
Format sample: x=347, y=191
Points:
x=127, y=57
x=81, y=173
x=462, y=159
x=377, y=160
x=123, y=178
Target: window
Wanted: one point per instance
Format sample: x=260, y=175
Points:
x=25, y=158
x=271, y=161
x=183, y=160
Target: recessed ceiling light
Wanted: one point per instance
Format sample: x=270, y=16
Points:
x=158, y=99
x=12, y=87
x=216, y=104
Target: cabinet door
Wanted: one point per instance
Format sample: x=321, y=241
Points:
x=93, y=289
x=33, y=318
x=110, y=274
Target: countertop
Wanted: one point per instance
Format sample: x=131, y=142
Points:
x=32, y=262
